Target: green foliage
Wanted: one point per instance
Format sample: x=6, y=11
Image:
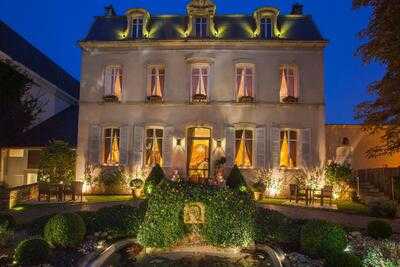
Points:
x=335, y=173
x=379, y=229
x=322, y=239
x=343, y=260
x=381, y=255
x=65, y=230
x=155, y=177
x=18, y=108
x=36, y=227
x=7, y=221
x=112, y=178
x=32, y=252
x=236, y=180
x=274, y=227
x=57, y=163
x=382, y=209
x=229, y=215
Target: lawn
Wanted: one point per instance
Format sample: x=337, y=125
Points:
x=107, y=198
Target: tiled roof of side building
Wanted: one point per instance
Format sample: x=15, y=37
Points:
x=20, y=50
x=234, y=27
x=63, y=126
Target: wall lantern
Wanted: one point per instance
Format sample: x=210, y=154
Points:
x=179, y=142
x=219, y=143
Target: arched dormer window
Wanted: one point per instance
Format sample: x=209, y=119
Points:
x=201, y=27
x=137, y=28
x=201, y=19
x=266, y=20
x=138, y=20
x=266, y=28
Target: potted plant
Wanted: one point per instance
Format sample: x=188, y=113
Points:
x=154, y=99
x=258, y=190
x=137, y=187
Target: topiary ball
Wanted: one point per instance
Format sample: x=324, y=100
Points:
x=65, y=230
x=343, y=260
x=379, y=229
x=32, y=252
x=322, y=239
x=7, y=221
x=235, y=180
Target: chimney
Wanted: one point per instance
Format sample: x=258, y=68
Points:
x=109, y=11
x=297, y=9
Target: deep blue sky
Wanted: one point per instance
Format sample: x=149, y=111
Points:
x=55, y=26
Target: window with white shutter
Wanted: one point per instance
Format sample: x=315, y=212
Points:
x=94, y=145
x=229, y=146
x=261, y=147
x=137, y=157
x=168, y=146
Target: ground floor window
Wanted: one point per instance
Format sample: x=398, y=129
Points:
x=111, y=146
x=199, y=145
x=244, y=148
x=154, y=143
x=288, y=151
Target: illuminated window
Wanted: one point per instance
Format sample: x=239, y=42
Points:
x=111, y=146
x=200, y=82
x=33, y=159
x=244, y=148
x=289, y=83
x=16, y=153
x=266, y=28
x=113, y=81
x=288, y=152
x=31, y=178
x=201, y=27
x=244, y=81
x=157, y=81
x=137, y=28
x=154, y=143
x=198, y=152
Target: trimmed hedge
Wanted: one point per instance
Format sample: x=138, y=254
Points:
x=322, y=239
x=379, y=229
x=7, y=221
x=65, y=230
x=343, y=260
x=155, y=177
x=236, y=181
x=36, y=227
x=382, y=209
x=229, y=215
x=32, y=252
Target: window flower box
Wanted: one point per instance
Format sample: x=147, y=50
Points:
x=290, y=99
x=199, y=99
x=154, y=99
x=110, y=98
x=246, y=99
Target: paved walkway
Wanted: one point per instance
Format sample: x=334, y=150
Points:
x=350, y=220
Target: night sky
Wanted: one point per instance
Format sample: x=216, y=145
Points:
x=55, y=27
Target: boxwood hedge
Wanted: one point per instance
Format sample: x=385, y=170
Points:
x=65, y=230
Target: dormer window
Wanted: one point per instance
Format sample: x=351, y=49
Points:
x=137, y=28
x=201, y=27
x=266, y=28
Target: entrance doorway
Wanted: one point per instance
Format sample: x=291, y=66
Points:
x=198, y=157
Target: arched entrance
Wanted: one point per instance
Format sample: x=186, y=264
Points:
x=198, y=157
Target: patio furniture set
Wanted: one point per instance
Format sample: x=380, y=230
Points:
x=60, y=191
x=310, y=195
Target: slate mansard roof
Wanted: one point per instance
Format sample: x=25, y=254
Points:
x=293, y=28
x=20, y=50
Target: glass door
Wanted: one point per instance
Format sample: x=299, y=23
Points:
x=199, y=147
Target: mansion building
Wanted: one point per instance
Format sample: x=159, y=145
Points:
x=186, y=91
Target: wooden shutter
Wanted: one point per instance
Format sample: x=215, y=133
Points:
x=260, y=147
x=305, y=147
x=275, y=146
x=230, y=146
x=167, y=146
x=94, y=145
x=108, y=80
x=124, y=158
x=137, y=156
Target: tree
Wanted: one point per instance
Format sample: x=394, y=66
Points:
x=18, y=108
x=382, y=45
x=57, y=163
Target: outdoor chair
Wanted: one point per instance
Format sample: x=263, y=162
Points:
x=43, y=190
x=75, y=189
x=325, y=193
x=296, y=194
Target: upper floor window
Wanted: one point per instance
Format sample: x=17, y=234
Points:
x=245, y=82
x=113, y=82
x=200, y=82
x=289, y=91
x=111, y=143
x=156, y=83
x=154, y=144
x=201, y=27
x=288, y=149
x=137, y=28
x=34, y=159
x=266, y=28
x=244, y=148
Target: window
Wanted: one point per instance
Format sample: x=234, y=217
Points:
x=33, y=159
x=157, y=81
x=154, y=143
x=289, y=83
x=266, y=28
x=16, y=153
x=111, y=146
x=201, y=27
x=199, y=84
x=113, y=81
x=31, y=178
x=137, y=28
x=244, y=148
x=244, y=81
x=288, y=145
